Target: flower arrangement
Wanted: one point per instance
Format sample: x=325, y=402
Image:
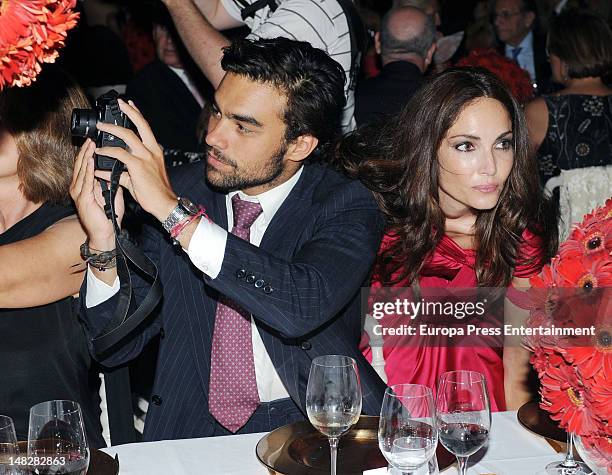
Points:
x=31, y=32
x=575, y=289
x=510, y=73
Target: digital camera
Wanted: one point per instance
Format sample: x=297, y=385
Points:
x=83, y=124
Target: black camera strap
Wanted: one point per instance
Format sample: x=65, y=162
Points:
x=123, y=324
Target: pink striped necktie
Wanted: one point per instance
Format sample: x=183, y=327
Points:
x=233, y=395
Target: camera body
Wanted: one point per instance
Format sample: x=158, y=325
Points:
x=83, y=124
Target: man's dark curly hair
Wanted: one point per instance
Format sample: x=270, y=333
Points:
x=312, y=82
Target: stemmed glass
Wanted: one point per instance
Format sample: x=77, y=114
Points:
x=407, y=434
x=9, y=450
x=56, y=439
x=463, y=414
x=333, y=398
x=569, y=465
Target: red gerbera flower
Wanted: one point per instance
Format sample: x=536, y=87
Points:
x=563, y=397
x=31, y=32
x=583, y=238
x=575, y=289
x=600, y=396
x=544, y=357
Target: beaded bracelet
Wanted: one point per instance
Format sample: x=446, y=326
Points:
x=101, y=260
x=178, y=228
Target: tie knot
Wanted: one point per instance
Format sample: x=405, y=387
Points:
x=245, y=212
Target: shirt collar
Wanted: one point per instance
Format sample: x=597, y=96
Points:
x=270, y=200
x=526, y=45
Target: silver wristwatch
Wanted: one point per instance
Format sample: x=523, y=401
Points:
x=183, y=209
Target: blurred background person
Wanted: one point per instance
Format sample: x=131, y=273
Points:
x=43, y=348
x=516, y=27
x=170, y=92
x=571, y=131
x=480, y=44
x=95, y=53
x=406, y=44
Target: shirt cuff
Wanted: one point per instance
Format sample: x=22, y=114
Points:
x=99, y=291
x=207, y=247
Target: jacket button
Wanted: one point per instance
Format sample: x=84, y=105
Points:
x=162, y=333
x=240, y=274
x=259, y=283
x=156, y=400
x=268, y=289
x=306, y=345
x=250, y=279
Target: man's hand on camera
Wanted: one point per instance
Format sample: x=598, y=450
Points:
x=145, y=176
x=87, y=195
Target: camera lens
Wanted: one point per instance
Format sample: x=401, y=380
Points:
x=83, y=123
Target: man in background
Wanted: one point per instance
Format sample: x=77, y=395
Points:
x=515, y=25
x=169, y=93
x=406, y=43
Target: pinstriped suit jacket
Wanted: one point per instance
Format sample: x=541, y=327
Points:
x=315, y=256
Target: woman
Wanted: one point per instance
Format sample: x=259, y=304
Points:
x=43, y=350
x=572, y=129
x=464, y=210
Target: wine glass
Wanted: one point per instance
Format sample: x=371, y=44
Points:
x=9, y=450
x=333, y=398
x=569, y=465
x=407, y=434
x=56, y=439
x=463, y=414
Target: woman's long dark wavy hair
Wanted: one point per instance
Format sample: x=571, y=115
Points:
x=398, y=161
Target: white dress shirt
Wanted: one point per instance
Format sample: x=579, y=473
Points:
x=525, y=58
x=207, y=251
x=182, y=74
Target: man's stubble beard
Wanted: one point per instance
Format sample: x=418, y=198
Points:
x=235, y=179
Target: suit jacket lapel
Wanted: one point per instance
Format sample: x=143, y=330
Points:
x=289, y=212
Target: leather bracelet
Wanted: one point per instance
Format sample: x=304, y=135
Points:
x=101, y=260
x=178, y=228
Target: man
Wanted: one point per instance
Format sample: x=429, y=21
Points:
x=168, y=93
x=407, y=45
x=515, y=22
x=322, y=24
x=245, y=312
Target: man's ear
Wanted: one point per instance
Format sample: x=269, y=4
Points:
x=377, y=44
x=156, y=31
x=301, y=148
x=529, y=19
x=430, y=54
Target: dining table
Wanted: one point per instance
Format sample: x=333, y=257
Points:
x=511, y=450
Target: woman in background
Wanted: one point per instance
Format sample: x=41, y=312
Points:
x=464, y=209
x=571, y=130
x=43, y=349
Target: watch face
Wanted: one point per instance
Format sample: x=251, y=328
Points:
x=188, y=205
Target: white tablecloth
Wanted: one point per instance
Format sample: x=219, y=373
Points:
x=512, y=450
